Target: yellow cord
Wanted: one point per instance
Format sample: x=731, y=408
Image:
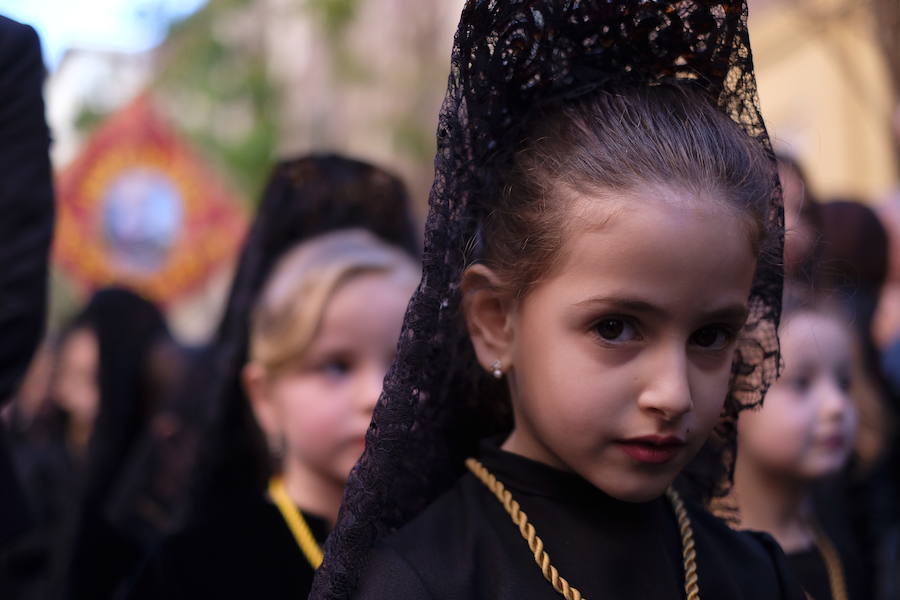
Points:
x=295, y=522
x=536, y=544
x=832, y=564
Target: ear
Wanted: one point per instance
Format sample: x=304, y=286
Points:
x=256, y=386
x=488, y=311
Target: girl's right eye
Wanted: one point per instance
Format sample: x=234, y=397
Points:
x=800, y=383
x=844, y=380
x=616, y=330
x=335, y=367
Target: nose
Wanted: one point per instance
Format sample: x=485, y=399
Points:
x=835, y=403
x=370, y=388
x=667, y=392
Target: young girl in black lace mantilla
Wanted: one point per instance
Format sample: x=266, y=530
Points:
x=620, y=290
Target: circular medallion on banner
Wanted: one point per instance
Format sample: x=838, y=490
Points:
x=142, y=216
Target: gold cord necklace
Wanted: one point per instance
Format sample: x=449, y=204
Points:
x=295, y=522
x=832, y=564
x=536, y=544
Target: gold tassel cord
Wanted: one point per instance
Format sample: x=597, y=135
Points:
x=295, y=522
x=536, y=544
x=688, y=551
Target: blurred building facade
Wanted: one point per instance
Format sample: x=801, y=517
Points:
x=87, y=85
x=251, y=81
x=826, y=92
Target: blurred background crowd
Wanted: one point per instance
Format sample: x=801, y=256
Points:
x=195, y=143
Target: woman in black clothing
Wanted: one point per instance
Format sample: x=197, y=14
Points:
x=611, y=240
x=103, y=394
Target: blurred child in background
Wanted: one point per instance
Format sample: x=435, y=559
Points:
x=229, y=454
x=804, y=434
x=322, y=336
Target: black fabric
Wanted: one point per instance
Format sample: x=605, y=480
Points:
x=834, y=514
x=16, y=518
x=809, y=567
x=26, y=226
x=466, y=546
x=811, y=570
x=148, y=496
x=246, y=552
x=26, y=201
x=34, y=567
x=509, y=59
x=888, y=583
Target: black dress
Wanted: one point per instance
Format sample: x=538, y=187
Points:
x=251, y=553
x=465, y=546
x=811, y=570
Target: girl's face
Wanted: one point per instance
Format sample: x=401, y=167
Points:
x=75, y=388
x=619, y=362
x=320, y=409
x=806, y=427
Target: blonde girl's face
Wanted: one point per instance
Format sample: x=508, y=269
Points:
x=805, y=429
x=321, y=407
x=620, y=360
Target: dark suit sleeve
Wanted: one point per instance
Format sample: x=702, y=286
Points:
x=26, y=201
x=26, y=225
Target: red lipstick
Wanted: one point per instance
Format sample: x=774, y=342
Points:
x=652, y=449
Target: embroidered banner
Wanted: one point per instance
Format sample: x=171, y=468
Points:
x=139, y=208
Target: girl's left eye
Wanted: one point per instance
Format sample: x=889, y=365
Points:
x=616, y=329
x=712, y=337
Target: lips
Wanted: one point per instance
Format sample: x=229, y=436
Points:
x=652, y=449
x=835, y=441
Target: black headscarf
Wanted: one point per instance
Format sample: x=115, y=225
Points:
x=510, y=58
x=304, y=197
x=128, y=328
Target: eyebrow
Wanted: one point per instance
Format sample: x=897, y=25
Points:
x=730, y=313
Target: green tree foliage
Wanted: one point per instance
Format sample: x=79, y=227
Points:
x=334, y=15
x=212, y=79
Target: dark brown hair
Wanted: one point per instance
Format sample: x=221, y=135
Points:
x=620, y=141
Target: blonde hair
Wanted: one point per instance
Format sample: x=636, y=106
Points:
x=290, y=308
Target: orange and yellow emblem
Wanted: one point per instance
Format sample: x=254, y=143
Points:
x=139, y=208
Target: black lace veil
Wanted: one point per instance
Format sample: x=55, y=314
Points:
x=509, y=58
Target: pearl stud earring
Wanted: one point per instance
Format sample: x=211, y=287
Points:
x=497, y=369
